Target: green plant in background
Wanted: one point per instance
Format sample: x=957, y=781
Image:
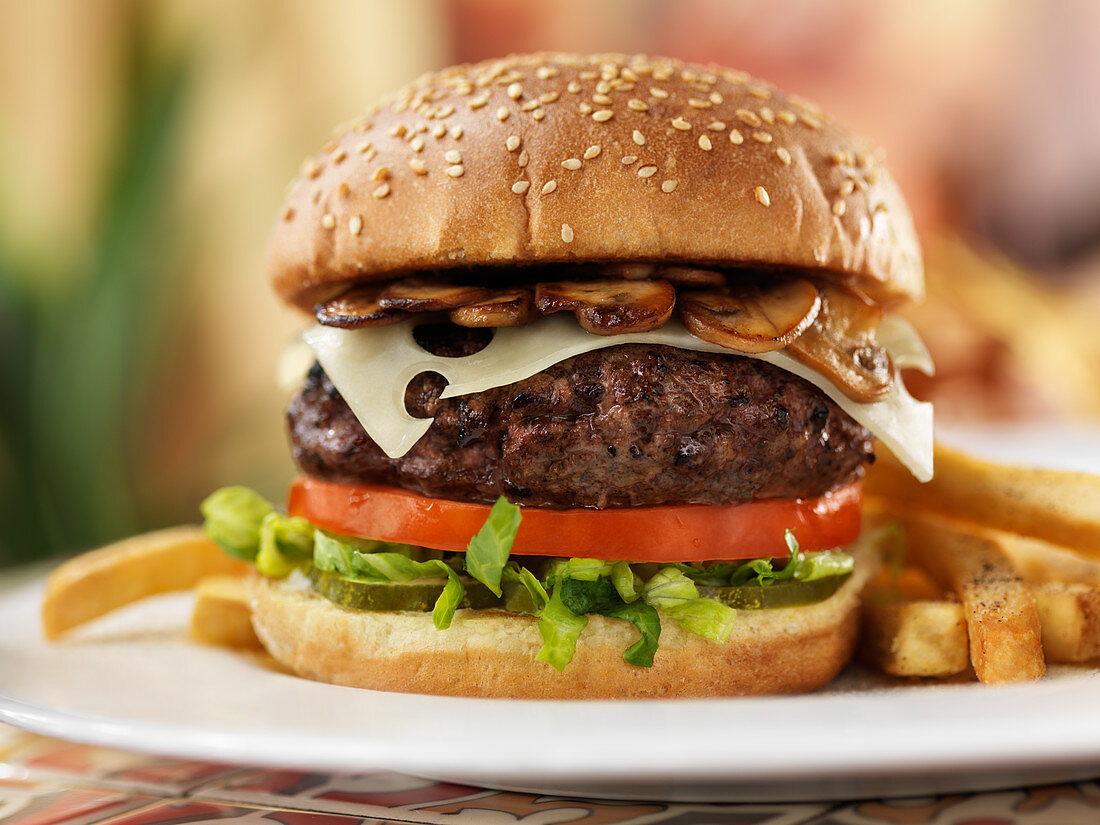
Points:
x=76, y=360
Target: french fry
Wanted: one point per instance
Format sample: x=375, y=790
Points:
x=918, y=638
x=1070, y=617
x=1002, y=621
x=222, y=615
x=100, y=581
x=1059, y=507
x=1040, y=561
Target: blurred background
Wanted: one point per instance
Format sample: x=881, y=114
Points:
x=145, y=146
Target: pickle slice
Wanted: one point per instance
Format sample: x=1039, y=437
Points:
x=778, y=594
x=419, y=596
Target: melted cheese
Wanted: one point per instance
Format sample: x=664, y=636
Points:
x=371, y=367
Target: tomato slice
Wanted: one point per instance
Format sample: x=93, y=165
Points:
x=655, y=534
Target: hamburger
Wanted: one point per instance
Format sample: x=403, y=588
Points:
x=602, y=346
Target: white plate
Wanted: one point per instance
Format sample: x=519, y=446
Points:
x=132, y=680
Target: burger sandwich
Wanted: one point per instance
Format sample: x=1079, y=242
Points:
x=601, y=348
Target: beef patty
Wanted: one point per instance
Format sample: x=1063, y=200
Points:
x=626, y=426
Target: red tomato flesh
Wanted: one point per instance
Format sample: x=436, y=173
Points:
x=691, y=532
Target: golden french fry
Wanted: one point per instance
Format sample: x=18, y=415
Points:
x=1040, y=561
x=1059, y=507
x=100, y=581
x=1001, y=618
x=918, y=638
x=1070, y=616
x=222, y=615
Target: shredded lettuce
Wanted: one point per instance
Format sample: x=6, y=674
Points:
x=560, y=628
x=232, y=517
x=286, y=542
x=645, y=618
x=488, y=551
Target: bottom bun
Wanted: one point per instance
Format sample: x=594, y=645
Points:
x=491, y=653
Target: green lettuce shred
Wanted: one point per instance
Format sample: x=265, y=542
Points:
x=232, y=517
x=560, y=628
x=488, y=551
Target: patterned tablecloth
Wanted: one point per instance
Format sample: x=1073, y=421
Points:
x=50, y=782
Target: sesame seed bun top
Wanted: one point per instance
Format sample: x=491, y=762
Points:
x=558, y=157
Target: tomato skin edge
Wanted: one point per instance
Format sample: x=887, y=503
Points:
x=692, y=532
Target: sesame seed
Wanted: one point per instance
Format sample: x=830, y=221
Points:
x=546, y=72
x=783, y=155
x=847, y=188
x=339, y=156
x=716, y=98
x=521, y=186
x=602, y=115
x=592, y=152
x=668, y=185
x=456, y=170
x=787, y=117
x=416, y=144
x=747, y=117
x=381, y=191
x=585, y=109
x=549, y=97
x=601, y=99
x=767, y=115
x=363, y=147
x=529, y=105
x=762, y=196
x=681, y=124
x=312, y=168
x=629, y=159
x=567, y=233
x=647, y=171
x=637, y=105
x=381, y=173
x=370, y=153
x=502, y=113
x=761, y=137
x=658, y=92
x=355, y=225
x=515, y=91
x=639, y=138
x=573, y=87
x=811, y=121
x=716, y=126
x=479, y=101
x=603, y=87
x=288, y=214
x=512, y=143
x=839, y=208
x=760, y=92
x=398, y=130
x=523, y=158
x=696, y=103
x=549, y=187
x=418, y=166
x=452, y=156
x=446, y=111
x=572, y=164
x=538, y=114
x=328, y=221
x=343, y=189
x=439, y=130
x=704, y=143
x=456, y=132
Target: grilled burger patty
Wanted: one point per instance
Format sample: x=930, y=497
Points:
x=626, y=426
